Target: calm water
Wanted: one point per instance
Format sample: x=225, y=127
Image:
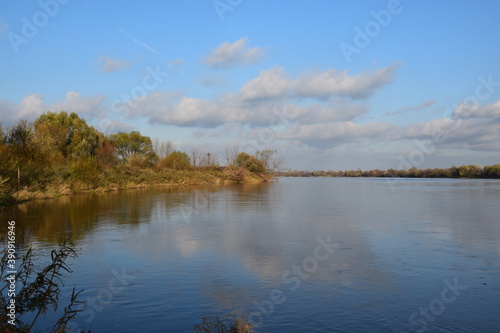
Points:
x=299, y=255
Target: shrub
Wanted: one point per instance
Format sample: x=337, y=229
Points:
x=251, y=163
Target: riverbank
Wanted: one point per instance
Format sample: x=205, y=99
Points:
x=125, y=178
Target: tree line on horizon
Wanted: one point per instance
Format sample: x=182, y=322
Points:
x=464, y=171
x=62, y=154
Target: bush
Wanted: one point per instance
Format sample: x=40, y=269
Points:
x=37, y=292
x=176, y=160
x=251, y=163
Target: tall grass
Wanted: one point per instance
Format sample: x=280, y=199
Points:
x=220, y=324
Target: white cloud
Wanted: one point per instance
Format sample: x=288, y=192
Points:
x=229, y=55
x=275, y=83
x=339, y=83
x=31, y=106
x=272, y=83
x=92, y=107
x=469, y=110
x=109, y=65
x=472, y=133
x=420, y=106
x=337, y=133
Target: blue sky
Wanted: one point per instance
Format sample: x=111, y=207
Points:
x=329, y=84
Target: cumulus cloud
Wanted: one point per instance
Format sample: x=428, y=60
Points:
x=30, y=107
x=33, y=105
x=92, y=107
x=276, y=83
x=472, y=133
x=470, y=110
x=336, y=133
x=319, y=113
x=471, y=126
x=420, y=106
x=339, y=83
x=272, y=83
x=229, y=55
x=109, y=65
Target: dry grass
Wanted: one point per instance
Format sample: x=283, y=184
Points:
x=219, y=324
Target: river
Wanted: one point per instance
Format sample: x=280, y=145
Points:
x=297, y=255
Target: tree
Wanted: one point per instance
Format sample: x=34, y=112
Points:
x=195, y=156
x=271, y=159
x=177, y=160
x=231, y=154
x=133, y=144
x=470, y=171
x=251, y=163
x=209, y=160
x=72, y=136
x=162, y=148
x=492, y=171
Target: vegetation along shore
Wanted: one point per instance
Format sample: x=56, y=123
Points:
x=60, y=154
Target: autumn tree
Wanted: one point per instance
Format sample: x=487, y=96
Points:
x=271, y=159
x=251, y=163
x=68, y=133
x=177, y=160
x=133, y=144
x=162, y=148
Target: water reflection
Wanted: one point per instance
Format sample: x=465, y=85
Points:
x=223, y=248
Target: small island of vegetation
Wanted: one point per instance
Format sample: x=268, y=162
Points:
x=60, y=154
x=464, y=171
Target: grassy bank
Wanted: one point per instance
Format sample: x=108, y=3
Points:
x=60, y=154
x=123, y=178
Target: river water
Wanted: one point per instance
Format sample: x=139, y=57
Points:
x=298, y=255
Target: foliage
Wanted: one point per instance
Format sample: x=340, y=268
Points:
x=59, y=153
x=38, y=292
x=250, y=163
x=464, y=171
x=176, y=160
x=69, y=134
x=271, y=159
x=133, y=144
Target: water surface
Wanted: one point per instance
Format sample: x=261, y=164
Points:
x=404, y=256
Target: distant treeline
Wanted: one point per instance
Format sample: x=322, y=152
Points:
x=59, y=153
x=464, y=171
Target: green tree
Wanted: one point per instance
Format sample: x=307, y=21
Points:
x=492, y=171
x=68, y=133
x=470, y=171
x=134, y=144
